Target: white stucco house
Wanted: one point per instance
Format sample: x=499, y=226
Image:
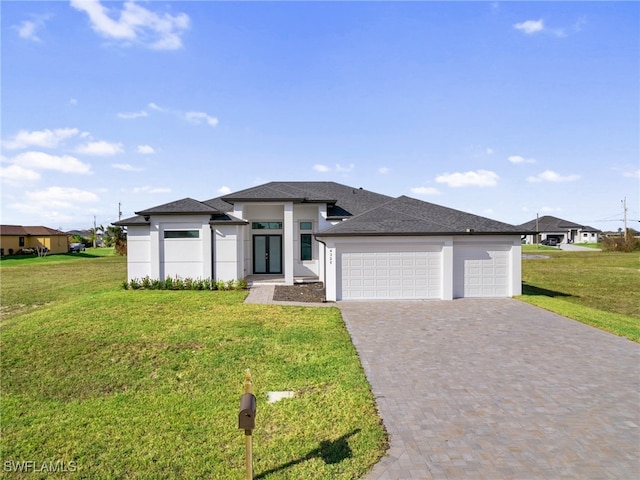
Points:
x=561, y=231
x=361, y=244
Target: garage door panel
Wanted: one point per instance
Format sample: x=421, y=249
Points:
x=408, y=274
x=481, y=271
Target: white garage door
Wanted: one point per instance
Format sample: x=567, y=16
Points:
x=481, y=271
x=367, y=275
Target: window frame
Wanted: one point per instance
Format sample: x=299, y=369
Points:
x=306, y=247
x=181, y=234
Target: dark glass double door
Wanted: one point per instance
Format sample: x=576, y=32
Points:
x=267, y=254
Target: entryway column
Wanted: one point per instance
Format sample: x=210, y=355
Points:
x=287, y=251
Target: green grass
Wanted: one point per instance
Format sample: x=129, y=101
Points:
x=597, y=288
x=146, y=384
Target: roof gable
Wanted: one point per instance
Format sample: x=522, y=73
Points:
x=409, y=216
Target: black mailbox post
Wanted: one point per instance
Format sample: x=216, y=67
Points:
x=247, y=414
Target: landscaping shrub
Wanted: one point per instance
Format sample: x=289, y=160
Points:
x=178, y=283
x=626, y=243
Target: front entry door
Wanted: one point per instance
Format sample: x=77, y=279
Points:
x=267, y=254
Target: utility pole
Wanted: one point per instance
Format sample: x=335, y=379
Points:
x=119, y=211
x=537, y=229
x=95, y=232
x=624, y=207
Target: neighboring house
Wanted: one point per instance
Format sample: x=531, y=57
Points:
x=18, y=239
x=361, y=244
x=561, y=231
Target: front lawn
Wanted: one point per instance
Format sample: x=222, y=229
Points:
x=146, y=384
x=597, y=288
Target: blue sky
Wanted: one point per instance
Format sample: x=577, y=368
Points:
x=503, y=109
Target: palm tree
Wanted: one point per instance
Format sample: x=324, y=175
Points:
x=112, y=235
x=93, y=234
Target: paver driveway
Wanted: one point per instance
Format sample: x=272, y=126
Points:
x=498, y=389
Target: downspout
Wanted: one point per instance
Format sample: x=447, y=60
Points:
x=324, y=267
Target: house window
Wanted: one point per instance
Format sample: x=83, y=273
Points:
x=266, y=225
x=306, y=225
x=21, y=241
x=306, y=247
x=182, y=234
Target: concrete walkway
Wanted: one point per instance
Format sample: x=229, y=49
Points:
x=263, y=293
x=498, y=389
x=570, y=247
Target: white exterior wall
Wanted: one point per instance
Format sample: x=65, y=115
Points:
x=138, y=252
x=170, y=257
x=227, y=252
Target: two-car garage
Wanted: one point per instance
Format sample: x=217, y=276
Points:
x=441, y=269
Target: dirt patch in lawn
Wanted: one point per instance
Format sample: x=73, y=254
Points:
x=302, y=292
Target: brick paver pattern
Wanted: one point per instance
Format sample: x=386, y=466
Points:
x=498, y=389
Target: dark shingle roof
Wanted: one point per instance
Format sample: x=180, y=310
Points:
x=549, y=223
x=131, y=221
x=343, y=201
x=185, y=206
x=408, y=216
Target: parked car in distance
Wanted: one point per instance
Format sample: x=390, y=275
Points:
x=552, y=241
x=76, y=247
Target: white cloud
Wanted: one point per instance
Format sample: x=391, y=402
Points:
x=154, y=106
x=126, y=167
x=521, y=159
x=530, y=26
x=39, y=138
x=62, y=196
x=224, y=190
x=44, y=161
x=73, y=101
x=632, y=174
x=318, y=167
x=55, y=204
x=550, y=209
x=384, y=170
x=551, y=176
x=100, y=148
x=132, y=115
x=27, y=30
x=347, y=169
x=199, y=117
x=145, y=149
x=17, y=175
x=489, y=151
x=425, y=191
x=148, y=189
x=479, y=178
x=136, y=24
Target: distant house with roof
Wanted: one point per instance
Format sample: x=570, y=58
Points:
x=361, y=244
x=558, y=231
x=15, y=239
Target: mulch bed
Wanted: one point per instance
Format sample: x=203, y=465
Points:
x=301, y=292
